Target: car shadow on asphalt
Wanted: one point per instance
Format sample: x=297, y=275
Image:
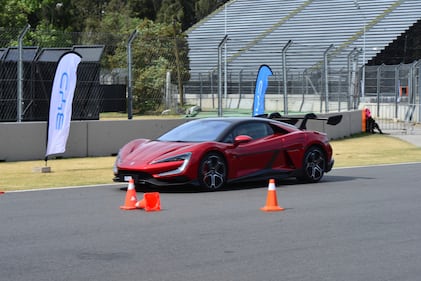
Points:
x=286, y=182
x=196, y=189
x=343, y=178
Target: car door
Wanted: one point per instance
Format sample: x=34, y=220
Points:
x=256, y=155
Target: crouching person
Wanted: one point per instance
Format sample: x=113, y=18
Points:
x=371, y=124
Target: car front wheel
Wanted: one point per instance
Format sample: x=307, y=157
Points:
x=314, y=164
x=212, y=171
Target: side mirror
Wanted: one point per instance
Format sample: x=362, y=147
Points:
x=242, y=139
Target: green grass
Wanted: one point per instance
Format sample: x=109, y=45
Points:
x=64, y=172
x=373, y=149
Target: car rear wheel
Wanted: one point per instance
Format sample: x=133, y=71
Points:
x=212, y=171
x=314, y=164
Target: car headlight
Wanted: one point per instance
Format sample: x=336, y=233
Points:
x=185, y=157
x=181, y=157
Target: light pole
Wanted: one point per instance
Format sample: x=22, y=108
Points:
x=225, y=54
x=357, y=5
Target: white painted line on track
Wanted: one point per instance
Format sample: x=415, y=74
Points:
x=64, y=187
x=378, y=165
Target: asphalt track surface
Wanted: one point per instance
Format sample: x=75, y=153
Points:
x=357, y=224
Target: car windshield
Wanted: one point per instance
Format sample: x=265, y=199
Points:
x=196, y=131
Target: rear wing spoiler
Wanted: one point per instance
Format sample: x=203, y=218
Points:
x=330, y=120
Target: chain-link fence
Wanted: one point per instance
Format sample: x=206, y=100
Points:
x=28, y=61
x=393, y=94
x=310, y=83
x=155, y=75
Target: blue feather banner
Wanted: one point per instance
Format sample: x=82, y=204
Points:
x=260, y=90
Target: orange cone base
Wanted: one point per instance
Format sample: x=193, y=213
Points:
x=127, y=208
x=130, y=202
x=141, y=204
x=150, y=202
x=272, y=209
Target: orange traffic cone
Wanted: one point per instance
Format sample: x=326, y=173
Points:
x=153, y=202
x=141, y=204
x=150, y=202
x=271, y=199
x=130, y=202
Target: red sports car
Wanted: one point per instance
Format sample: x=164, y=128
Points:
x=212, y=152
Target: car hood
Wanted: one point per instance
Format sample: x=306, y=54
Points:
x=145, y=151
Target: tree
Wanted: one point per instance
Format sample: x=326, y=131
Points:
x=112, y=29
x=157, y=52
x=153, y=55
x=15, y=13
x=180, y=10
x=144, y=9
x=161, y=46
x=204, y=7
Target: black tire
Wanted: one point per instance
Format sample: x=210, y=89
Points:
x=212, y=171
x=314, y=164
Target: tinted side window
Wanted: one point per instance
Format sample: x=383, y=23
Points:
x=255, y=130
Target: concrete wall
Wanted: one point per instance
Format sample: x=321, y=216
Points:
x=350, y=124
x=27, y=140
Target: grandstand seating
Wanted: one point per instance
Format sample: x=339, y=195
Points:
x=258, y=31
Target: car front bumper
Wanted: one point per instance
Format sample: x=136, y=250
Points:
x=145, y=179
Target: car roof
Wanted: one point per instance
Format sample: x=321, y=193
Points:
x=238, y=120
x=235, y=119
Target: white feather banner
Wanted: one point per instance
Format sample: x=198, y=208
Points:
x=61, y=103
